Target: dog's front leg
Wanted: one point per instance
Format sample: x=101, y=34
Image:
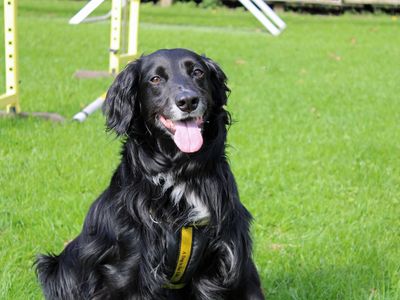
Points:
x=249, y=285
x=228, y=273
x=213, y=286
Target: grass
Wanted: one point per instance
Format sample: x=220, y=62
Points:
x=315, y=148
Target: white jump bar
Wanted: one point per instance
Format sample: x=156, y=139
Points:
x=270, y=14
x=261, y=12
x=88, y=110
x=85, y=11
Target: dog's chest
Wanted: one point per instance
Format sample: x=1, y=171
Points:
x=181, y=191
x=184, y=247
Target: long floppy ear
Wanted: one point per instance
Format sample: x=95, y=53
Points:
x=218, y=79
x=121, y=102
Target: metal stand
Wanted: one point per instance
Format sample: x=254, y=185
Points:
x=10, y=99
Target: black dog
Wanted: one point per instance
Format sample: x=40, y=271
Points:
x=170, y=225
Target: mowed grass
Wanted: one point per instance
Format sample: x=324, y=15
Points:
x=315, y=147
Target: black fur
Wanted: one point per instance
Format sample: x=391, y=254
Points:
x=120, y=253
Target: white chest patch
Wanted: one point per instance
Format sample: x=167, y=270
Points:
x=180, y=192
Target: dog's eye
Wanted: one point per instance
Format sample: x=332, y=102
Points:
x=198, y=73
x=155, y=79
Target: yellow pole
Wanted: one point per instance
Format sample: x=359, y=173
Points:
x=11, y=98
x=117, y=58
x=115, y=39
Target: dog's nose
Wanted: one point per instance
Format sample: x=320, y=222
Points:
x=187, y=102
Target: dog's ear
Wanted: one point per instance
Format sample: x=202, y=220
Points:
x=218, y=80
x=121, y=104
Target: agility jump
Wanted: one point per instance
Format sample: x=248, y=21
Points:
x=123, y=40
x=10, y=100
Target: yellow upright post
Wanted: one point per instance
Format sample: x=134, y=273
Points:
x=117, y=58
x=115, y=39
x=11, y=98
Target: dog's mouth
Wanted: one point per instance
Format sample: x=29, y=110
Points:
x=186, y=133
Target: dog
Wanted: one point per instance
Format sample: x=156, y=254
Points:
x=170, y=225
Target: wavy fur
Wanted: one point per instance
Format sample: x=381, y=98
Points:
x=120, y=253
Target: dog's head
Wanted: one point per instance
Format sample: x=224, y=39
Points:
x=170, y=93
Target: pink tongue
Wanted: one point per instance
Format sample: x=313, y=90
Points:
x=187, y=136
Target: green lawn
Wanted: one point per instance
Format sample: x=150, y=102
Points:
x=315, y=149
